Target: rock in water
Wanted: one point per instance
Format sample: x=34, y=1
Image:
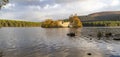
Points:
x=71, y=34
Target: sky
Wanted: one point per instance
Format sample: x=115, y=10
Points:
x=40, y=10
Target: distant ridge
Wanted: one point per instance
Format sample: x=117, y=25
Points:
x=104, y=13
x=102, y=16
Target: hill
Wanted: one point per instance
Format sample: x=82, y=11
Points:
x=101, y=16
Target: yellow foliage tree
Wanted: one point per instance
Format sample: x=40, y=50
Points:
x=50, y=24
x=75, y=22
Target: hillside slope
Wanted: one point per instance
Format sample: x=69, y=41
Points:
x=102, y=16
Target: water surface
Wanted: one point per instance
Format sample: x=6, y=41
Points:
x=53, y=42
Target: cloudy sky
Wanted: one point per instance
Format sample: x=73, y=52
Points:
x=39, y=10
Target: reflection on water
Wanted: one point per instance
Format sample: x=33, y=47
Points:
x=77, y=31
x=53, y=42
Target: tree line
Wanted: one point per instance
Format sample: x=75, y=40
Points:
x=14, y=23
x=102, y=23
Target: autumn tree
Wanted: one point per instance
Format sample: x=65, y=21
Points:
x=47, y=23
x=50, y=24
x=75, y=22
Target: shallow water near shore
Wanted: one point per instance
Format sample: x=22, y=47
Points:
x=53, y=42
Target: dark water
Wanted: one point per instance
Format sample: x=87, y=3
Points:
x=53, y=42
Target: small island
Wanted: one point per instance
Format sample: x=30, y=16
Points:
x=73, y=22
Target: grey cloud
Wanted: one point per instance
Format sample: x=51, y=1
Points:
x=41, y=3
x=33, y=2
x=66, y=1
x=33, y=10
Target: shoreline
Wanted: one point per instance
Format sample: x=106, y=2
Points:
x=101, y=27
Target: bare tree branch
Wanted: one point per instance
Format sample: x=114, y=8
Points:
x=3, y=2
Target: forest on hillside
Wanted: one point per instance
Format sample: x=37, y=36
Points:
x=98, y=23
x=101, y=23
x=14, y=23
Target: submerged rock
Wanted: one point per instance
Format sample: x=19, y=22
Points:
x=114, y=56
x=108, y=34
x=89, y=54
x=71, y=34
x=116, y=38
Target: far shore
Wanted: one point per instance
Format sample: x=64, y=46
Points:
x=101, y=27
x=62, y=27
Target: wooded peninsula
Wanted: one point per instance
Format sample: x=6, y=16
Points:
x=16, y=23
